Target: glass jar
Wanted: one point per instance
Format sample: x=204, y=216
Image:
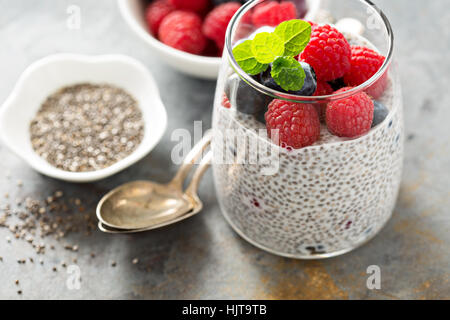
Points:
x=318, y=201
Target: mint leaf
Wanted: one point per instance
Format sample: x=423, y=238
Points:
x=288, y=73
x=295, y=35
x=244, y=57
x=267, y=46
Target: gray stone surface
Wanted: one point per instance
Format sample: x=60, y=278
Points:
x=203, y=257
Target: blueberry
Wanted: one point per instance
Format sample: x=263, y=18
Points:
x=337, y=84
x=308, y=89
x=250, y=101
x=380, y=113
x=266, y=80
x=310, y=85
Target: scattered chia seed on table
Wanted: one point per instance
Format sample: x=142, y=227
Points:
x=87, y=127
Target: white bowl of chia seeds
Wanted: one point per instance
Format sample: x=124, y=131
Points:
x=83, y=118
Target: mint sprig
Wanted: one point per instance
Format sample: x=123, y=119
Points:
x=246, y=59
x=288, y=73
x=279, y=47
x=267, y=46
x=295, y=35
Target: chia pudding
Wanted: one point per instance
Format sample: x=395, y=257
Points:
x=321, y=200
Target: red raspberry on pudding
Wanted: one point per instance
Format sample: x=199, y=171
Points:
x=273, y=13
x=156, y=12
x=216, y=22
x=323, y=89
x=225, y=101
x=182, y=30
x=365, y=63
x=191, y=5
x=328, y=52
x=350, y=117
x=297, y=124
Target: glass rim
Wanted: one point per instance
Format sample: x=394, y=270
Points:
x=307, y=99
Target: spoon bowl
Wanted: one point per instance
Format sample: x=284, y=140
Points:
x=145, y=205
x=107, y=229
x=142, y=203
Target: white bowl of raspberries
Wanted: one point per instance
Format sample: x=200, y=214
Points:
x=189, y=35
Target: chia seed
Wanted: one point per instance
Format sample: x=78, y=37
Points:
x=87, y=127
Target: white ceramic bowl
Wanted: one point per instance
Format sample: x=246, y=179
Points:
x=47, y=75
x=194, y=65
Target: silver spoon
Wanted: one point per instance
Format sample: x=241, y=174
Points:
x=145, y=204
x=190, y=195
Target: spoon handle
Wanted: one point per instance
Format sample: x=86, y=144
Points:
x=198, y=174
x=190, y=159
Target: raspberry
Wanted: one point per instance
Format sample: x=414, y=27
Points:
x=337, y=84
x=297, y=124
x=350, y=117
x=273, y=13
x=323, y=89
x=247, y=18
x=216, y=22
x=364, y=64
x=156, y=12
x=190, y=5
x=225, y=102
x=313, y=24
x=182, y=30
x=245, y=27
x=328, y=52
